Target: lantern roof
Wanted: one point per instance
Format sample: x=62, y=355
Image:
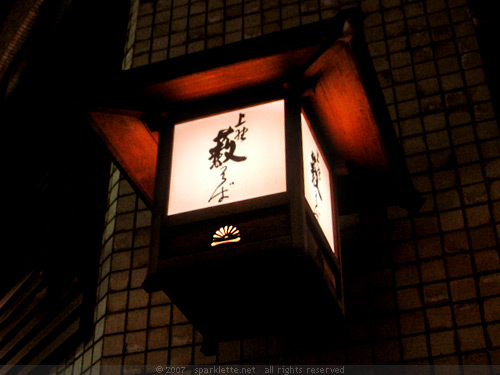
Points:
x=327, y=61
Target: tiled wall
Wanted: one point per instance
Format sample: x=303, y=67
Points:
x=137, y=326
x=419, y=289
x=164, y=29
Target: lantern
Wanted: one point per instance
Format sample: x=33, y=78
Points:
x=241, y=179
x=246, y=220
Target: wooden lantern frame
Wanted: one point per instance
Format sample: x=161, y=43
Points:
x=278, y=230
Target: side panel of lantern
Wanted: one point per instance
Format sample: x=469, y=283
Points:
x=320, y=211
x=317, y=182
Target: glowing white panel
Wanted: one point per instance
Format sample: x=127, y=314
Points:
x=227, y=158
x=317, y=182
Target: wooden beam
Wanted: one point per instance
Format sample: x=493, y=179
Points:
x=343, y=109
x=132, y=144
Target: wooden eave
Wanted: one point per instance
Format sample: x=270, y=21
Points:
x=342, y=109
x=140, y=100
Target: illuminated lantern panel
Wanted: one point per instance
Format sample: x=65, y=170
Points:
x=228, y=158
x=317, y=182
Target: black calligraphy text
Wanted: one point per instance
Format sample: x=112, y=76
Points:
x=224, y=151
x=315, y=178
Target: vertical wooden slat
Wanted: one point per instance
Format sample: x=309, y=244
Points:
x=294, y=167
x=164, y=159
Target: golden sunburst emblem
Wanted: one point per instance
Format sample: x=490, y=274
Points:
x=226, y=234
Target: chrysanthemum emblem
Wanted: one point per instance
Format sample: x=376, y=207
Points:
x=226, y=234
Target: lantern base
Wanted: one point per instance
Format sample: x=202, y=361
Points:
x=277, y=292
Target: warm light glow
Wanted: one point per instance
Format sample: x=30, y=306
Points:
x=226, y=234
x=132, y=145
x=227, y=158
x=343, y=110
x=317, y=182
